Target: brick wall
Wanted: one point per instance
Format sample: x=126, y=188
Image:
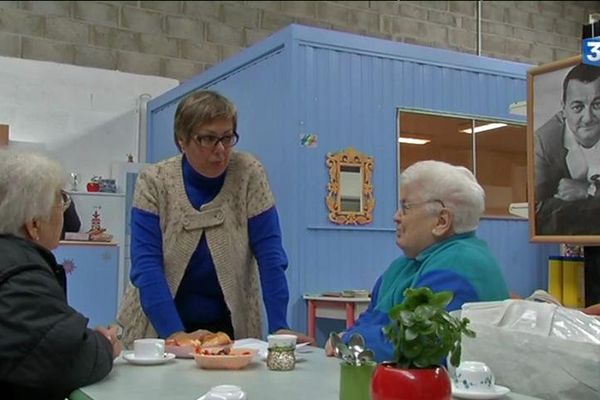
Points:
x=179, y=39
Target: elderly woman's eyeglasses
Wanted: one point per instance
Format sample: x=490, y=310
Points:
x=65, y=200
x=211, y=141
x=404, y=206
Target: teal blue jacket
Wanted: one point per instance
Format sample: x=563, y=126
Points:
x=462, y=264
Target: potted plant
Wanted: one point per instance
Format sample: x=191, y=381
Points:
x=423, y=334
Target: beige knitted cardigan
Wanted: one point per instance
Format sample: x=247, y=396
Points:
x=245, y=193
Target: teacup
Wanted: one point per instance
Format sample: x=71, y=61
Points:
x=225, y=392
x=474, y=376
x=149, y=348
x=282, y=340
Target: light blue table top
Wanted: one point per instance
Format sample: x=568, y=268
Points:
x=315, y=377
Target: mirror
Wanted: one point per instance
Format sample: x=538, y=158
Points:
x=350, y=192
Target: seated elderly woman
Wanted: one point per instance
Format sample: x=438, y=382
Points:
x=46, y=349
x=439, y=212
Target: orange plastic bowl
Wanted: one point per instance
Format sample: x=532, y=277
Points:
x=237, y=359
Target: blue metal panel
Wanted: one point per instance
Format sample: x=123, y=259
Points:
x=351, y=43
x=161, y=141
x=346, y=89
x=162, y=109
x=92, y=284
x=524, y=264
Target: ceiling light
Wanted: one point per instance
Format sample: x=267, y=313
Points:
x=410, y=140
x=483, y=128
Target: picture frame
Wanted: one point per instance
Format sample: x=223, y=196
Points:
x=563, y=203
x=350, y=199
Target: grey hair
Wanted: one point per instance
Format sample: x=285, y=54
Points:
x=28, y=186
x=454, y=185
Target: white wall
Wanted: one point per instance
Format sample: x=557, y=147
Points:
x=87, y=117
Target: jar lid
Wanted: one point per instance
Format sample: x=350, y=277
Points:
x=282, y=341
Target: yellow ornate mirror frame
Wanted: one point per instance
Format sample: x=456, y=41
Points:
x=350, y=199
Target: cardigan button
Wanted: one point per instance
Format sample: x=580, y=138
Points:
x=186, y=222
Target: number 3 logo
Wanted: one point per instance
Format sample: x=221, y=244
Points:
x=593, y=53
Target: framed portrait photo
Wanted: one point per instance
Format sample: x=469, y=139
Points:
x=563, y=152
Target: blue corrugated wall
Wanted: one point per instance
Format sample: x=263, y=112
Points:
x=346, y=89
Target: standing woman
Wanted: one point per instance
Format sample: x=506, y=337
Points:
x=205, y=236
x=46, y=349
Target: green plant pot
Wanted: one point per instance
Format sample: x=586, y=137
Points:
x=355, y=382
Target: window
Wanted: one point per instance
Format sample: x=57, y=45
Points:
x=500, y=152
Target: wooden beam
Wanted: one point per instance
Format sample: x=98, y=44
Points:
x=3, y=135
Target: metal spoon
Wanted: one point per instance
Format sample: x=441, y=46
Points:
x=347, y=355
x=334, y=339
x=356, y=344
x=366, y=356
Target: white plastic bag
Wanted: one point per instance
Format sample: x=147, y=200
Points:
x=538, y=349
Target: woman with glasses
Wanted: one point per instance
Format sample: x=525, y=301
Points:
x=46, y=349
x=435, y=228
x=205, y=236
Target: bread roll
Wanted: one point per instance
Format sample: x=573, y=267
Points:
x=183, y=342
x=216, y=339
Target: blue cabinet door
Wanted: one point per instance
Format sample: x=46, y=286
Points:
x=92, y=280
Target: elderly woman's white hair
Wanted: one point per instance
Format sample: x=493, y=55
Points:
x=455, y=186
x=28, y=187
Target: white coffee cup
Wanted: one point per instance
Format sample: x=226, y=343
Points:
x=225, y=392
x=282, y=340
x=148, y=348
x=474, y=376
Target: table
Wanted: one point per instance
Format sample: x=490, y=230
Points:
x=315, y=377
x=348, y=308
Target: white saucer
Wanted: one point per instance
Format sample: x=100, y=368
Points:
x=130, y=357
x=498, y=392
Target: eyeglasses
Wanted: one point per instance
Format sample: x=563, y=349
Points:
x=65, y=200
x=211, y=141
x=404, y=206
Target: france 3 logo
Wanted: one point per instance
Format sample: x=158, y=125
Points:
x=591, y=51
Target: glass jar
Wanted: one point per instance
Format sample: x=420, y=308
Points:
x=281, y=358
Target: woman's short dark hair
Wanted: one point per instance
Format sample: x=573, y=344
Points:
x=199, y=108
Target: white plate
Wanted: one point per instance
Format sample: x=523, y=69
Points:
x=300, y=346
x=181, y=351
x=498, y=392
x=130, y=357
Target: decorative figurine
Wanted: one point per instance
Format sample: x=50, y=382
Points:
x=74, y=181
x=97, y=233
x=94, y=184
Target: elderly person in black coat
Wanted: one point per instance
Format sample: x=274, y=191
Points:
x=46, y=348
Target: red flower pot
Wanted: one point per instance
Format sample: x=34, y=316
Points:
x=392, y=383
x=93, y=187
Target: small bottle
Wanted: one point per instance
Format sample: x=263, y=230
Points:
x=281, y=358
x=282, y=352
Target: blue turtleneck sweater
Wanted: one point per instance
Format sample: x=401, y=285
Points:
x=199, y=300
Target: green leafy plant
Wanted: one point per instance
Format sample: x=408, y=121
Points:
x=423, y=332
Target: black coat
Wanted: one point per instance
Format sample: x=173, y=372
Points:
x=46, y=349
x=71, y=221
